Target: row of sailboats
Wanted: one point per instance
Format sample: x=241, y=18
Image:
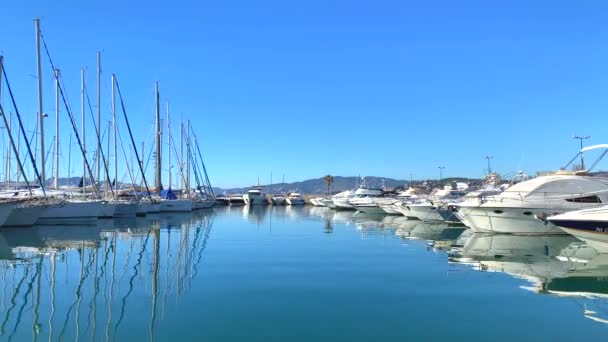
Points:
x=28, y=203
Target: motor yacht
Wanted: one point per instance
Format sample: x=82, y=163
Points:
x=589, y=225
x=368, y=200
x=524, y=207
x=278, y=200
x=236, y=200
x=435, y=207
x=295, y=198
x=255, y=196
x=340, y=200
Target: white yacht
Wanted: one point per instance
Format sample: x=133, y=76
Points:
x=278, y=200
x=317, y=202
x=589, y=225
x=340, y=200
x=236, y=200
x=435, y=207
x=329, y=202
x=295, y=198
x=368, y=200
x=524, y=207
x=255, y=196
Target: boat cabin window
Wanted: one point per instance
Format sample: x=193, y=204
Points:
x=586, y=199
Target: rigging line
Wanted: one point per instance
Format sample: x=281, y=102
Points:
x=74, y=126
x=124, y=112
x=10, y=135
x=126, y=161
x=181, y=164
x=202, y=162
x=27, y=143
x=103, y=158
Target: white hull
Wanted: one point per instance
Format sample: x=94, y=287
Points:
x=405, y=211
x=125, y=209
x=508, y=220
x=255, y=200
x=295, y=201
x=428, y=212
x=390, y=209
x=203, y=204
x=180, y=205
x=24, y=215
x=106, y=210
x=342, y=204
x=369, y=209
x=141, y=209
x=5, y=210
x=71, y=212
x=278, y=200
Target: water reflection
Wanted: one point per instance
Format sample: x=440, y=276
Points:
x=131, y=279
x=81, y=283
x=554, y=264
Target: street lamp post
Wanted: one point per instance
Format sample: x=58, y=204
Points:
x=581, y=140
x=489, y=166
x=441, y=168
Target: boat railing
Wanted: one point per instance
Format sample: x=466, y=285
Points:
x=545, y=197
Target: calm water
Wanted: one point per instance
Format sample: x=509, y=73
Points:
x=296, y=274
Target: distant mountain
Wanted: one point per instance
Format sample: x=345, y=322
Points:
x=318, y=186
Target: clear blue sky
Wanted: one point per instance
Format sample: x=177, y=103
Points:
x=307, y=88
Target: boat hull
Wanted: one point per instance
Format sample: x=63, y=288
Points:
x=24, y=215
x=295, y=201
x=508, y=220
x=70, y=213
x=370, y=209
x=125, y=209
x=176, y=205
x=106, y=210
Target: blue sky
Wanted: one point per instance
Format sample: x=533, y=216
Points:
x=307, y=88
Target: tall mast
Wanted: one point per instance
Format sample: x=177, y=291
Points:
x=10, y=127
x=84, y=135
x=115, y=131
x=8, y=159
x=181, y=147
x=99, y=115
x=188, y=161
x=40, y=114
x=169, y=144
x=56, y=182
x=108, y=160
x=157, y=176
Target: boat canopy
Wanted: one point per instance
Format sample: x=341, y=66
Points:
x=555, y=185
x=168, y=194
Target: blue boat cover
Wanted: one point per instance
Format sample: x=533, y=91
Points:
x=167, y=194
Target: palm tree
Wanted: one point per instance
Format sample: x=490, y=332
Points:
x=329, y=179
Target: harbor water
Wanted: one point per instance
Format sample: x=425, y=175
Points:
x=295, y=274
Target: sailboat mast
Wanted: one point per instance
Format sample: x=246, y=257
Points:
x=99, y=115
x=168, y=145
x=115, y=133
x=188, y=161
x=56, y=182
x=181, y=147
x=84, y=134
x=108, y=185
x=8, y=168
x=40, y=114
x=157, y=179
